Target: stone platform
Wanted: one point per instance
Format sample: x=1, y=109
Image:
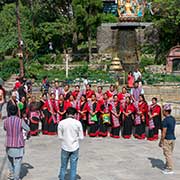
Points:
x=100, y=159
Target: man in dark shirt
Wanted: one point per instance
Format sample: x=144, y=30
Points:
x=167, y=141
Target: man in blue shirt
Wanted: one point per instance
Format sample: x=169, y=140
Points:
x=167, y=141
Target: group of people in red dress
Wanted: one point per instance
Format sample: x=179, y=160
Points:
x=101, y=113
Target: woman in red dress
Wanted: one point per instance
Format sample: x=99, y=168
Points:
x=93, y=120
x=154, y=120
x=116, y=111
x=130, y=80
x=141, y=118
x=82, y=108
x=128, y=118
x=104, y=110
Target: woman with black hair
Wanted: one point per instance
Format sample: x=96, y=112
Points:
x=105, y=122
x=93, y=119
x=141, y=118
x=154, y=120
x=82, y=108
x=128, y=118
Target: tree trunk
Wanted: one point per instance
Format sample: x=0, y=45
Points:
x=20, y=44
x=75, y=42
x=89, y=45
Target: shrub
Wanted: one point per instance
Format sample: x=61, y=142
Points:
x=9, y=67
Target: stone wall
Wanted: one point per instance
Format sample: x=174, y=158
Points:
x=154, y=69
x=106, y=38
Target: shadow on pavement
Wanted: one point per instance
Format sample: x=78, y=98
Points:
x=157, y=163
x=25, y=169
x=67, y=177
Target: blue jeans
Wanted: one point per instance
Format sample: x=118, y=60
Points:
x=14, y=165
x=65, y=156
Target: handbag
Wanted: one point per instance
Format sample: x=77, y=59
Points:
x=94, y=118
x=106, y=118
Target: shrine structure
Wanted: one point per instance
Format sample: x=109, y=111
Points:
x=121, y=38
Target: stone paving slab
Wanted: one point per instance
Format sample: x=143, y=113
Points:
x=100, y=159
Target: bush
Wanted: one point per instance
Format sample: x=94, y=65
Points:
x=9, y=67
x=49, y=59
x=146, y=61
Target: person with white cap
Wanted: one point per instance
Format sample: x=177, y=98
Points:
x=12, y=101
x=167, y=141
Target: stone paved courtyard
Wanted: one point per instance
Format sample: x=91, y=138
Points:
x=100, y=159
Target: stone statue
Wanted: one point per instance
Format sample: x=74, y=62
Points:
x=133, y=8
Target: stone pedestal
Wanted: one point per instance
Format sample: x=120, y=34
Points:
x=116, y=66
x=121, y=38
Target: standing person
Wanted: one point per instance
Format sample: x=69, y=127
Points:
x=82, y=108
x=66, y=92
x=34, y=116
x=50, y=115
x=61, y=108
x=76, y=93
x=99, y=93
x=89, y=92
x=154, y=120
x=128, y=118
x=111, y=92
x=85, y=82
x=45, y=85
x=21, y=91
x=168, y=138
x=104, y=109
x=70, y=132
x=136, y=91
x=57, y=90
x=14, y=126
x=93, y=117
x=2, y=99
x=116, y=111
x=130, y=80
x=141, y=118
x=42, y=102
x=137, y=75
x=22, y=106
x=12, y=101
x=122, y=96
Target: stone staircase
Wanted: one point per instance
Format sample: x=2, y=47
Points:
x=9, y=84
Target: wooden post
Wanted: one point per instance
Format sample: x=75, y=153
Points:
x=20, y=42
x=67, y=64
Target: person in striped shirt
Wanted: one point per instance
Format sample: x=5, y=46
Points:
x=14, y=126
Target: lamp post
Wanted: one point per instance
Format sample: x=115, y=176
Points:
x=20, y=42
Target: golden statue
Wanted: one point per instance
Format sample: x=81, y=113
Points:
x=131, y=10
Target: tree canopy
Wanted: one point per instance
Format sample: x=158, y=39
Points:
x=64, y=22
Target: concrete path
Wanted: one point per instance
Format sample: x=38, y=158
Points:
x=100, y=159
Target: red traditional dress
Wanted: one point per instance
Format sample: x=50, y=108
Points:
x=34, y=117
x=104, y=109
x=82, y=108
x=141, y=120
x=128, y=118
x=110, y=94
x=93, y=119
x=116, y=111
x=89, y=94
x=61, y=108
x=50, y=116
x=154, y=122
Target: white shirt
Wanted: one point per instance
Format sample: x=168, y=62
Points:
x=137, y=75
x=70, y=131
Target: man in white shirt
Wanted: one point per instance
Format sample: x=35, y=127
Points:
x=137, y=75
x=70, y=132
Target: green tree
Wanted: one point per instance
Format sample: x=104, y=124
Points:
x=167, y=21
x=87, y=15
